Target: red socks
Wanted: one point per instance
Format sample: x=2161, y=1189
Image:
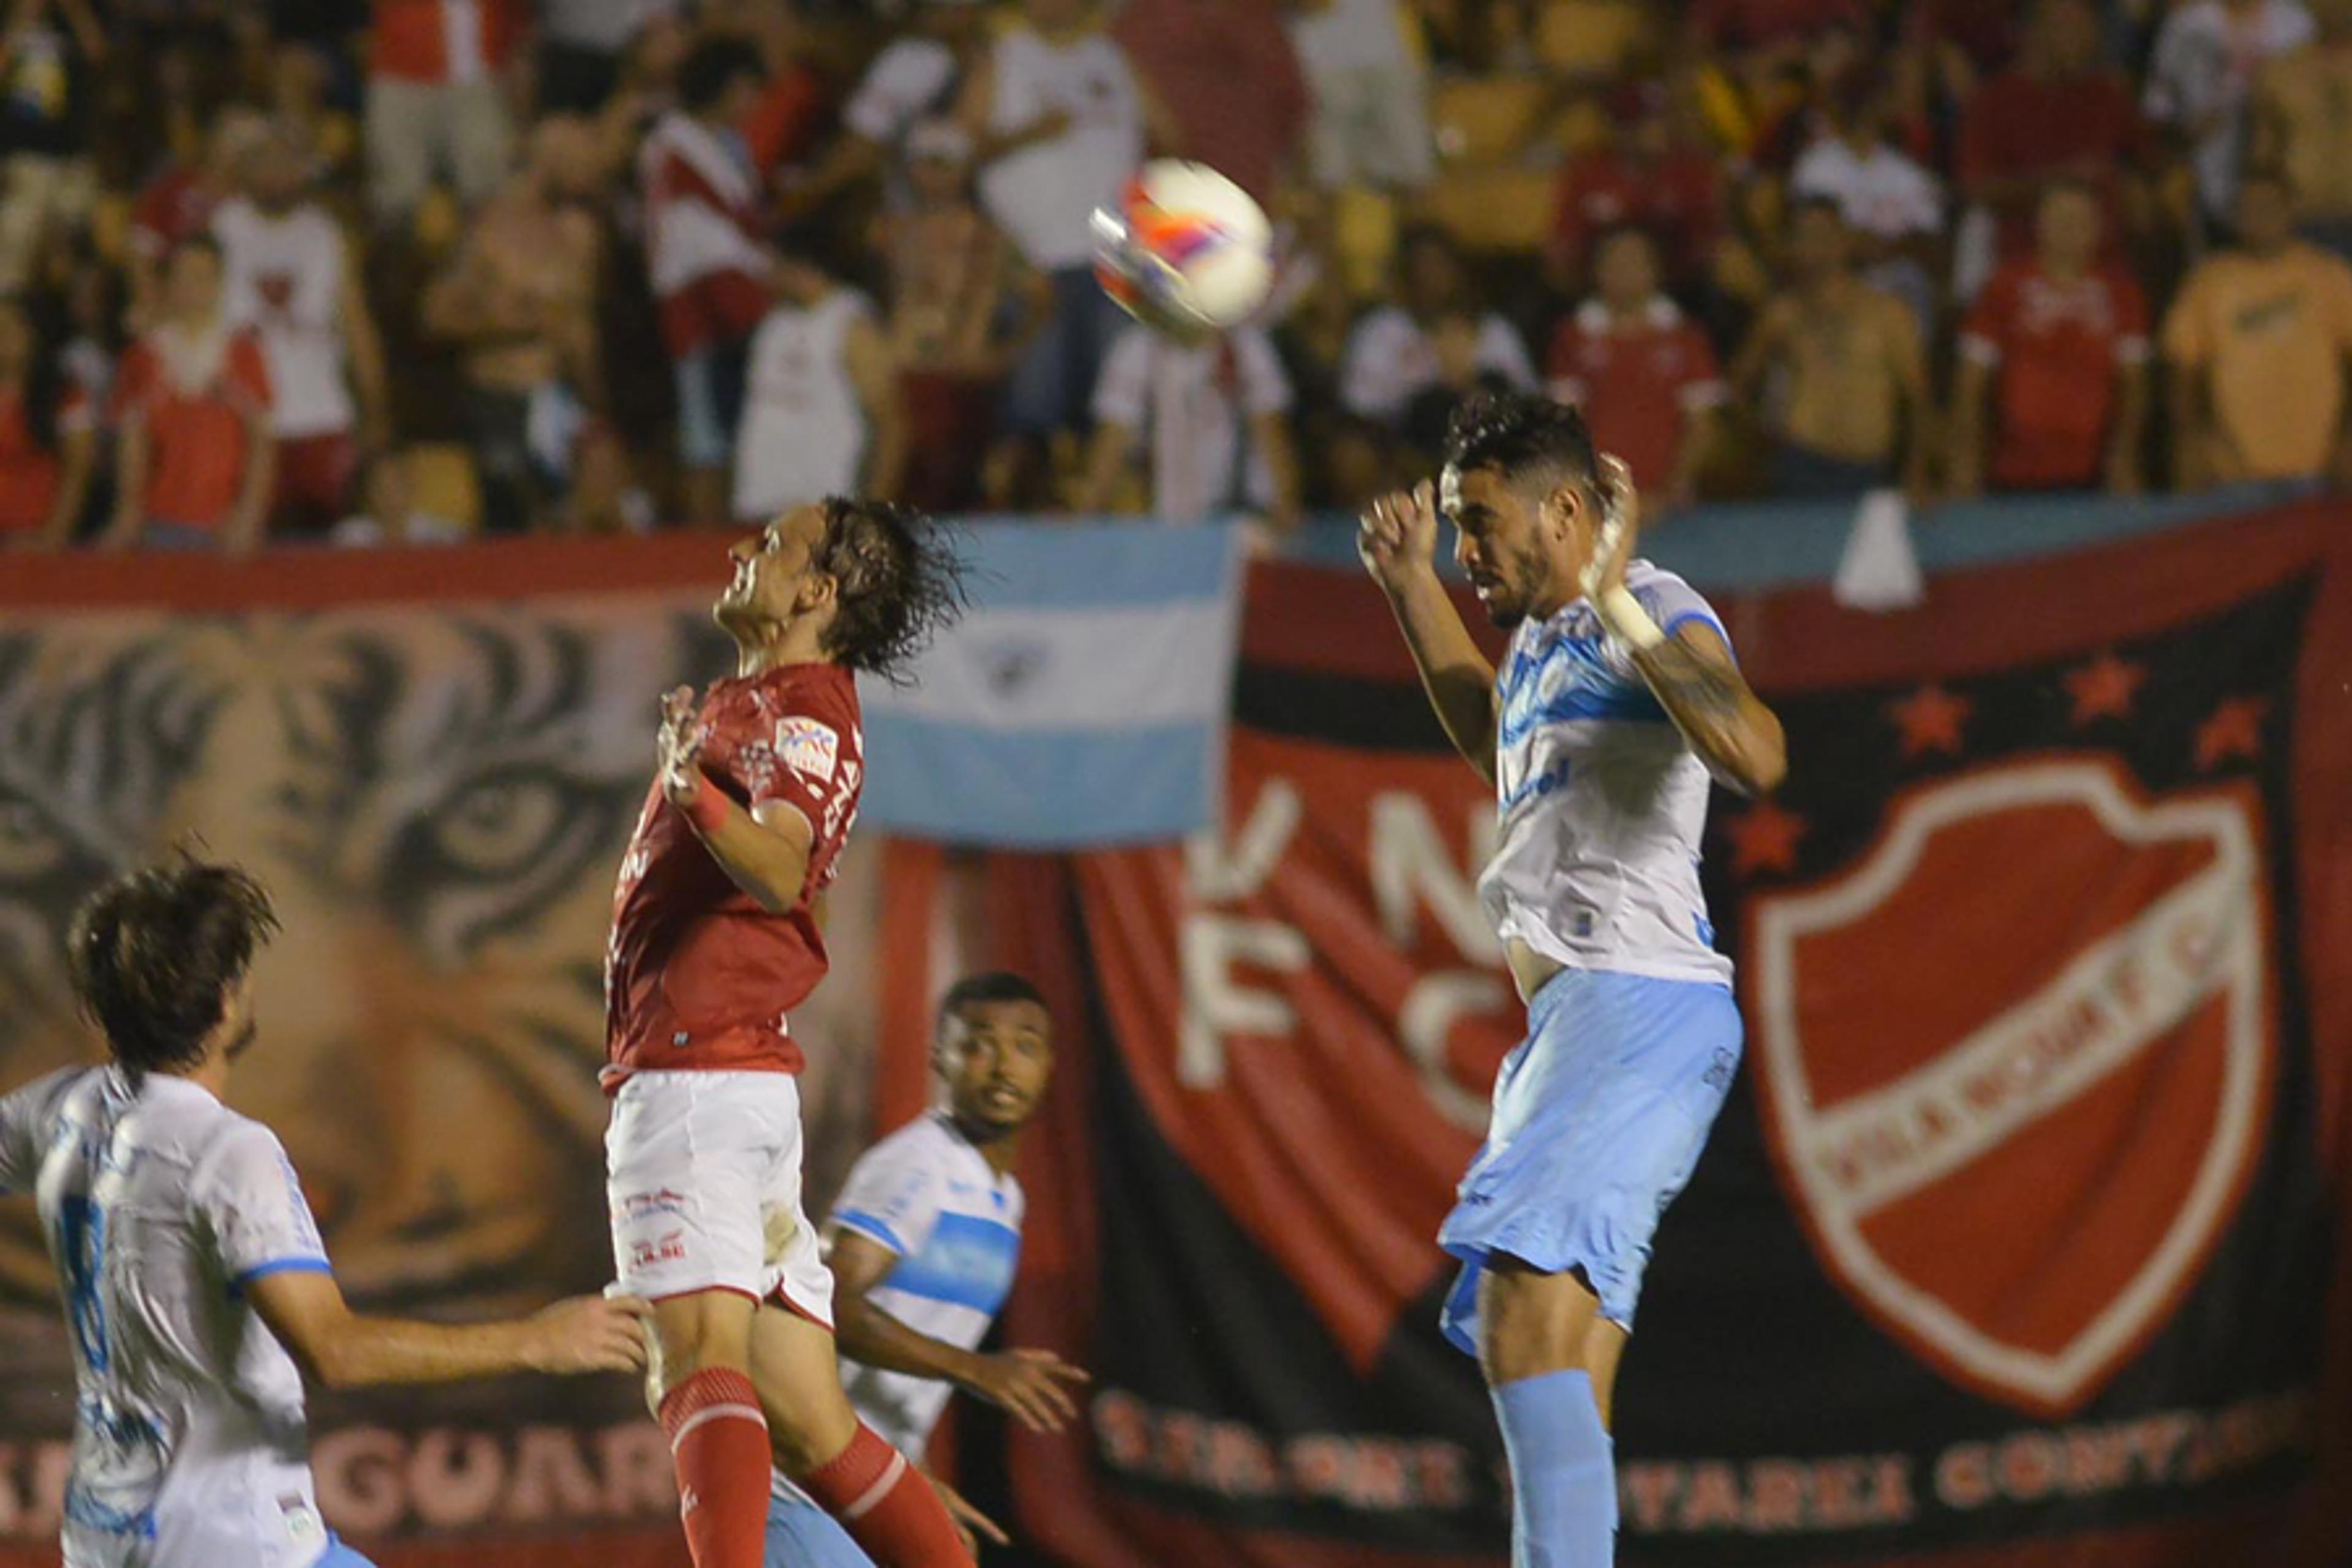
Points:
x=887, y=1507
x=718, y=1441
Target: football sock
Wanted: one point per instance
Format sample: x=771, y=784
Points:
x=718, y=1441
x=1563, y=1478
x=887, y=1506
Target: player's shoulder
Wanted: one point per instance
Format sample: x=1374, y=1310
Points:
x=40, y=1099
x=1668, y=596
x=924, y=1146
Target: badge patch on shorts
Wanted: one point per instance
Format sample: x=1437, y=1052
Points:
x=810, y=749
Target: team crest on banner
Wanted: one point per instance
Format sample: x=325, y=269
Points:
x=1965, y=1074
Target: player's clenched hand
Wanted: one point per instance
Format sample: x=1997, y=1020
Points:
x=971, y=1523
x=678, y=746
x=1621, y=521
x=1397, y=535
x=1029, y=1386
x=590, y=1333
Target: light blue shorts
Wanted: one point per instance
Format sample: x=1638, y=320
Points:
x=1599, y=1115
x=803, y=1535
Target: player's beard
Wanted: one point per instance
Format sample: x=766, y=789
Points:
x=1520, y=584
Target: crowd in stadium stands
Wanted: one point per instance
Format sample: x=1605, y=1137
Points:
x=370, y=270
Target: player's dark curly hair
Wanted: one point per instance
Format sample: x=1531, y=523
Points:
x=154, y=952
x=1523, y=436
x=900, y=578
x=979, y=990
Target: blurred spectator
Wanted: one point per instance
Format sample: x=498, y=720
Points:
x=290, y=276
x=711, y=271
x=1394, y=354
x=437, y=100
x=194, y=463
x=2058, y=346
x=1654, y=172
x=2303, y=124
x=1643, y=374
x=46, y=182
x=1893, y=209
x=915, y=78
x=963, y=307
x=1984, y=33
x=2060, y=115
x=821, y=413
x=520, y=299
x=1837, y=369
x=782, y=124
x=1369, y=92
x=388, y=512
x=178, y=203
x=2202, y=77
x=2257, y=339
x=1216, y=416
x=300, y=78
x=48, y=440
x=1057, y=120
x=1230, y=83
x=582, y=44
x=1769, y=33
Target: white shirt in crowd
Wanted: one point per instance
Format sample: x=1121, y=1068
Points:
x=931, y=1197
x=1390, y=361
x=1880, y=191
x=804, y=431
x=908, y=80
x=160, y=1205
x=1044, y=195
x=1371, y=96
x=1194, y=407
x=283, y=276
x=2204, y=67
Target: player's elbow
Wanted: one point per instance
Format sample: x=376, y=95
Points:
x=1759, y=761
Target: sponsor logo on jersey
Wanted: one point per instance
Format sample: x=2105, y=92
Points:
x=2085, y=1072
x=810, y=749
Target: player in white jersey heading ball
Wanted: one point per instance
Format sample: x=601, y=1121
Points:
x=923, y=1245
x=196, y=1286
x=1618, y=698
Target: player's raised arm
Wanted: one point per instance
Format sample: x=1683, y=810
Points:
x=1397, y=538
x=1033, y=1385
x=337, y=1348
x=1691, y=670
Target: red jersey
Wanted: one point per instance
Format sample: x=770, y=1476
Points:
x=1638, y=386
x=698, y=976
x=2056, y=346
x=195, y=396
x=28, y=470
x=1675, y=201
x=444, y=40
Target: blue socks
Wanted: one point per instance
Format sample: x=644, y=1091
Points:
x=1563, y=1478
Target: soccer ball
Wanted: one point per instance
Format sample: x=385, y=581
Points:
x=1185, y=250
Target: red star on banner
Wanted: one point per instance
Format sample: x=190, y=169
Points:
x=2235, y=730
x=2103, y=688
x=1764, y=838
x=1930, y=720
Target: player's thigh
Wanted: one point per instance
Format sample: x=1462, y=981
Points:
x=1532, y=1322
x=701, y=1330
x=797, y=1370
x=803, y=1535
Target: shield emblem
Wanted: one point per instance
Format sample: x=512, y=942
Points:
x=2015, y=1066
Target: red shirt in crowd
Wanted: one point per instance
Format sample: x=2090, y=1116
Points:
x=1677, y=201
x=703, y=226
x=1754, y=24
x=1227, y=72
x=698, y=977
x=175, y=206
x=28, y=470
x=2020, y=127
x=1639, y=382
x=194, y=396
x=446, y=40
x=2056, y=346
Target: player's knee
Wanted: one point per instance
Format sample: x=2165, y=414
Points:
x=1532, y=1323
x=808, y=1433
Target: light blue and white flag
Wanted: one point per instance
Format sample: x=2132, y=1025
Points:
x=1082, y=701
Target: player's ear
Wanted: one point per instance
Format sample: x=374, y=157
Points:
x=1564, y=510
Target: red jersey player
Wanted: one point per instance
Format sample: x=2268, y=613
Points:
x=714, y=945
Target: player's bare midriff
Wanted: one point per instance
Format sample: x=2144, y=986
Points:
x=1531, y=970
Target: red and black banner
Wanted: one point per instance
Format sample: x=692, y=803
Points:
x=2016, y=1242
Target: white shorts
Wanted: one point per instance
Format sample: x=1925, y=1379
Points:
x=702, y=1174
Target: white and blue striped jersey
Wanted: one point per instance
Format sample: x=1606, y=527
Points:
x=931, y=1197
x=1600, y=802
x=160, y=1206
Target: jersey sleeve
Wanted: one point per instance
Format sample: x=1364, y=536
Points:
x=812, y=769
x=261, y=1223
x=892, y=1198
x=23, y=1116
x=1673, y=604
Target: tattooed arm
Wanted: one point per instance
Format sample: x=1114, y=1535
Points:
x=1691, y=670
x=1734, y=734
